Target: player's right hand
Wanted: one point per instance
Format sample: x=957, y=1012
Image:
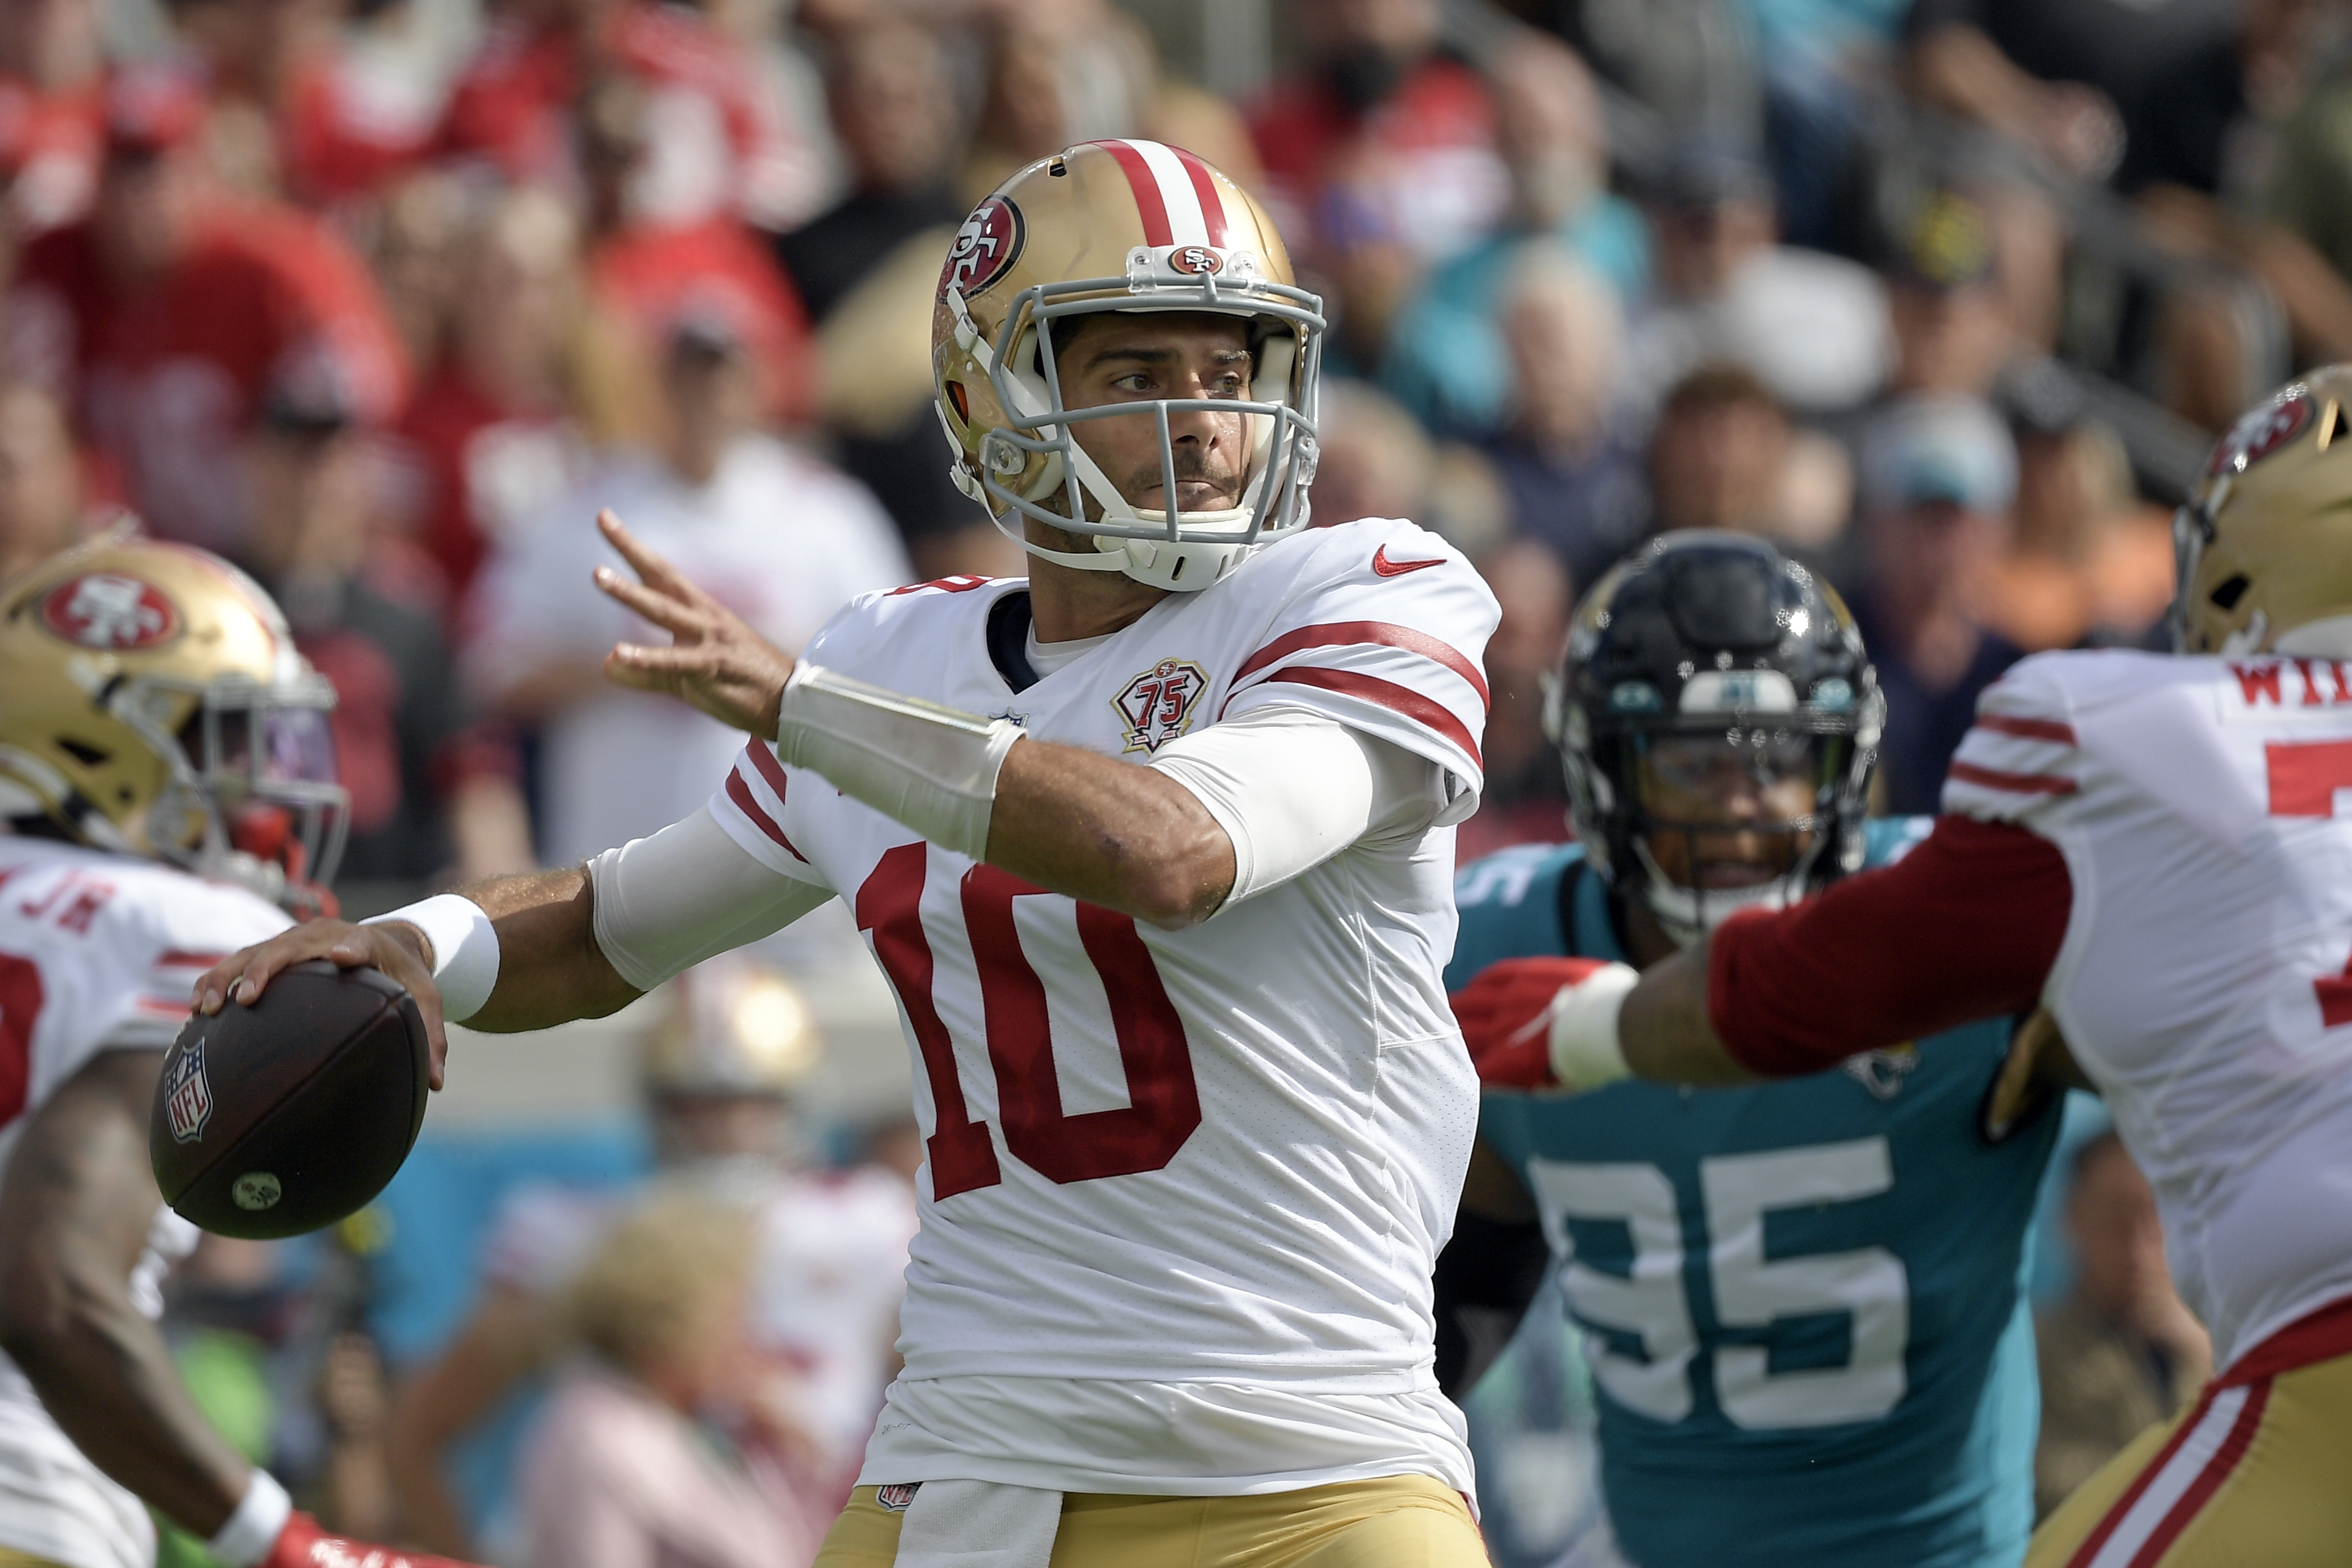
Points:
x=1508, y=1014
x=304, y=1545
x=397, y=949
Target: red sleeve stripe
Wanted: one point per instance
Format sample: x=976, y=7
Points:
x=155, y=1007
x=1204, y=187
x=1383, y=633
x=181, y=958
x=770, y=767
x=2011, y=783
x=2028, y=729
x=1424, y=711
x=740, y=793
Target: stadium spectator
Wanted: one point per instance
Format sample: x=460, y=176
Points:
x=1953, y=328
x=1560, y=458
x=175, y=313
x=2089, y=559
x=782, y=539
x=1446, y=360
x=41, y=509
x=867, y=270
x=431, y=790
x=1526, y=797
x=621, y=1470
x=53, y=103
x=1724, y=455
x=719, y=1080
x=718, y=143
x=2120, y=1353
x=1938, y=476
x=298, y=110
x=1379, y=157
x=489, y=443
x=1812, y=326
x=644, y=274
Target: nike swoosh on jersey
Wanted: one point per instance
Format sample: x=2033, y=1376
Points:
x=1387, y=568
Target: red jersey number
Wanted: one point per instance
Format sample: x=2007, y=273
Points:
x=2304, y=777
x=20, y=1008
x=1164, y=1100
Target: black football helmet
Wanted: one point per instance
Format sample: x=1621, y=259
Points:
x=1701, y=633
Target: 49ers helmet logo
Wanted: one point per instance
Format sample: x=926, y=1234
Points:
x=107, y=610
x=988, y=243
x=2261, y=433
x=1196, y=259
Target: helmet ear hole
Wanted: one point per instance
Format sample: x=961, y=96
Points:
x=2229, y=590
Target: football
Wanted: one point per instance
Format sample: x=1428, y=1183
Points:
x=281, y=1117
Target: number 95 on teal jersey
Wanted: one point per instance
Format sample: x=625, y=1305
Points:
x=1802, y=1302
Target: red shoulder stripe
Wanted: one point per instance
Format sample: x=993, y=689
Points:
x=740, y=793
x=2011, y=783
x=1422, y=710
x=2028, y=729
x=1341, y=633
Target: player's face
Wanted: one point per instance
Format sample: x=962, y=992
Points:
x=1721, y=802
x=1112, y=359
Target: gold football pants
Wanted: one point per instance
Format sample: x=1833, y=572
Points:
x=18, y=1560
x=1397, y=1522
x=2256, y=1474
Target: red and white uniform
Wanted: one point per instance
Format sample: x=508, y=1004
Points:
x=1184, y=1190
x=97, y=953
x=2204, y=808
x=2159, y=850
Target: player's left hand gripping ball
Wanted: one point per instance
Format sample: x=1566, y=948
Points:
x=1544, y=1022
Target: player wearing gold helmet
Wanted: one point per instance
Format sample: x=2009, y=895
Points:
x=168, y=780
x=2158, y=852
x=1154, y=846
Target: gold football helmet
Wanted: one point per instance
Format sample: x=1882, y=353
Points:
x=2264, y=544
x=151, y=703
x=1131, y=227
x=735, y=1028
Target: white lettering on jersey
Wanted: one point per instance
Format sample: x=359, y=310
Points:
x=2204, y=806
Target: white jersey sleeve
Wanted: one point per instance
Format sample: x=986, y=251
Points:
x=2022, y=761
x=1382, y=626
x=2204, y=810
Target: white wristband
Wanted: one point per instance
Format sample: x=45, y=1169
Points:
x=256, y=1525
x=931, y=767
x=465, y=950
x=1585, y=1052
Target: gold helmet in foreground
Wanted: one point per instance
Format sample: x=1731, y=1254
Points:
x=151, y=703
x=2264, y=544
x=1123, y=225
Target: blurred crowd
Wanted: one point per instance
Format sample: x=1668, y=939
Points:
x=387, y=298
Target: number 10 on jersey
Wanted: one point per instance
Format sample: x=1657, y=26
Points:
x=1163, y=1100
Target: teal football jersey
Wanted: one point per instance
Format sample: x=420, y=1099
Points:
x=1803, y=1301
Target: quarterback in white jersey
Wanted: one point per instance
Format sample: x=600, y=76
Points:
x=2158, y=852
x=167, y=781
x=1154, y=846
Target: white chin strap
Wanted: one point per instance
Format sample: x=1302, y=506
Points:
x=2327, y=638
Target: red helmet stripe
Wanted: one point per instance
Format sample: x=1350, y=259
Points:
x=1149, y=205
x=1204, y=185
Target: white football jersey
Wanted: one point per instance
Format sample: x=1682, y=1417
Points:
x=1226, y=1153
x=97, y=951
x=2204, y=806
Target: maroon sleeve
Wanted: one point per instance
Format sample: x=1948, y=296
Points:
x=1965, y=927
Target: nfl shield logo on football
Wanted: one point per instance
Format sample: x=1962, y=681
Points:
x=894, y=1499
x=1158, y=705
x=187, y=1096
